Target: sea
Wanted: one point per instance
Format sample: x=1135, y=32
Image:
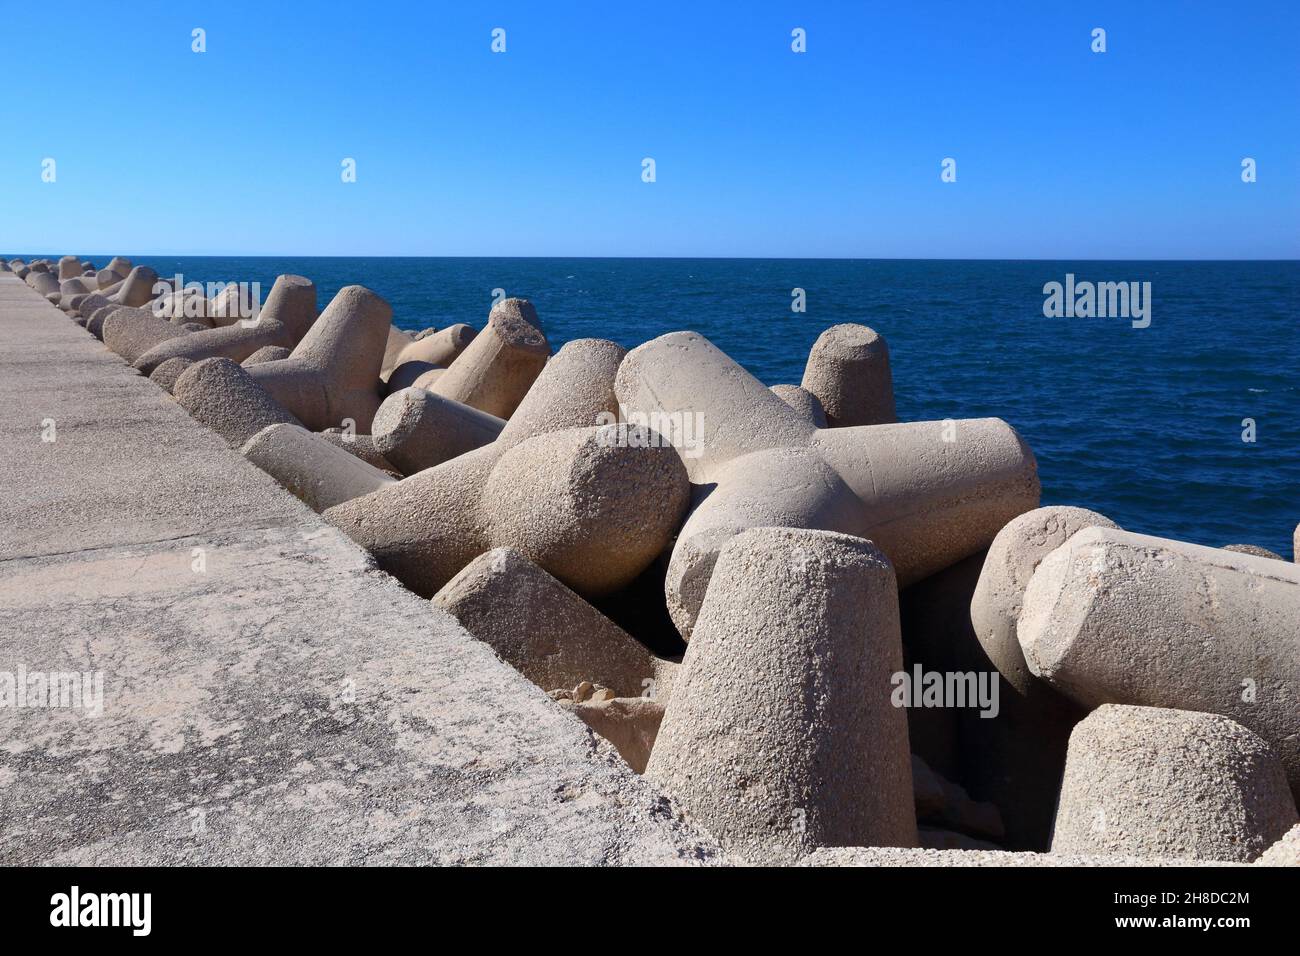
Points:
x=1184, y=423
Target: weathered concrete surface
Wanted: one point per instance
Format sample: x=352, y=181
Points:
x=900, y=856
x=279, y=701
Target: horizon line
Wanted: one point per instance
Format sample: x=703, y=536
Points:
x=231, y=255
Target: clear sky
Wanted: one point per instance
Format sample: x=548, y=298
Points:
x=759, y=151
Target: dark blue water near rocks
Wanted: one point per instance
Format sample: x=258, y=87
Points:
x=1144, y=425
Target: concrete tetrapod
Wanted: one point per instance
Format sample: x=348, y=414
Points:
x=928, y=494
x=362, y=446
x=441, y=348
x=416, y=429
x=1285, y=852
x=1122, y=618
x=542, y=628
x=267, y=353
x=498, y=366
x=88, y=306
x=1012, y=558
x=132, y=332
x=802, y=401
x=95, y=324
x=221, y=395
x=69, y=267
x=43, y=282
x=284, y=319
x=848, y=371
x=413, y=375
x=166, y=374
x=397, y=340
x=1254, y=549
x=780, y=736
x=1170, y=783
x=315, y=471
x=183, y=307
x=107, y=277
x=137, y=288
x=70, y=287
x=424, y=529
x=332, y=375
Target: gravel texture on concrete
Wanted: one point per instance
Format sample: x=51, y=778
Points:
x=899, y=856
x=268, y=696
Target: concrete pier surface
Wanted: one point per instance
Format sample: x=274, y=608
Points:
x=268, y=697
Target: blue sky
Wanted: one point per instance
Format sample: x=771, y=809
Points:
x=1061, y=152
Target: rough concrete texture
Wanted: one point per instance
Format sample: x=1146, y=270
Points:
x=132, y=332
x=424, y=529
x=412, y=375
x=593, y=506
x=70, y=287
x=1170, y=783
x=896, y=856
x=221, y=395
x=1285, y=852
x=317, y=472
x=89, y=305
x=630, y=724
x=285, y=317
x=802, y=401
x=230, y=307
x=928, y=494
x=95, y=324
x=932, y=838
x=397, y=340
x=848, y=371
x=137, y=288
x=1254, y=549
x=441, y=348
x=1012, y=558
x=183, y=307
x=72, y=304
x=311, y=710
x=166, y=374
x=267, y=353
x=1115, y=617
x=542, y=628
x=426, y=379
x=69, y=267
x=495, y=370
x=780, y=736
x=416, y=429
x=363, y=446
x=43, y=282
x=332, y=376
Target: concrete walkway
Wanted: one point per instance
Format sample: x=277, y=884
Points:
x=268, y=697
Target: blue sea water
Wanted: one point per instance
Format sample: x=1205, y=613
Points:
x=1143, y=425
